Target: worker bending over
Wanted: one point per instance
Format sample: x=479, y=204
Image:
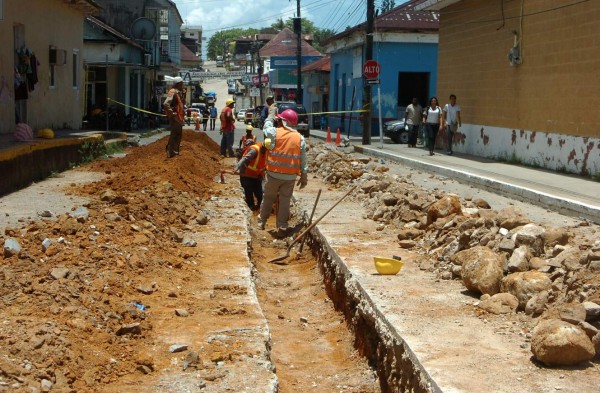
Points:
x=251, y=168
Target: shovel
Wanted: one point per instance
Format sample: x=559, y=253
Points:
x=309, y=222
x=311, y=226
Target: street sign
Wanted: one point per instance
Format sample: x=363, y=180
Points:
x=264, y=78
x=246, y=79
x=254, y=92
x=373, y=81
x=371, y=69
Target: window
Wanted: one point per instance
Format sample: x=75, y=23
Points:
x=75, y=68
x=52, y=76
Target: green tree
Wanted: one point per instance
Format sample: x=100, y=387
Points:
x=320, y=36
x=387, y=5
x=222, y=42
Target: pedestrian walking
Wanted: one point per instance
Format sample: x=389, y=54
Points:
x=286, y=160
x=173, y=107
x=451, y=120
x=251, y=168
x=432, y=118
x=205, y=117
x=227, y=128
x=412, y=119
x=213, y=117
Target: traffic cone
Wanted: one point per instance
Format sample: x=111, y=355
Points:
x=197, y=128
x=338, y=137
x=328, y=140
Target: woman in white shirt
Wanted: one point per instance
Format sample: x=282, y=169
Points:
x=431, y=118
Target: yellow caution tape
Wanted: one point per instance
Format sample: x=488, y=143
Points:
x=136, y=108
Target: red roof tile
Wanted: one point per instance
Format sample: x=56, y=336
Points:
x=284, y=44
x=322, y=65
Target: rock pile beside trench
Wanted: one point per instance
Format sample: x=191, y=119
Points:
x=514, y=264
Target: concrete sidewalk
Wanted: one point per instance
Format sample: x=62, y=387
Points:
x=568, y=194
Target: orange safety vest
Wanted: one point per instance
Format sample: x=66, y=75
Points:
x=256, y=167
x=245, y=138
x=286, y=156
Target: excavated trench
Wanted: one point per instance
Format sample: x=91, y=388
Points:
x=326, y=334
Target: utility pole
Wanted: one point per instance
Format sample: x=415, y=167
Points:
x=298, y=31
x=366, y=140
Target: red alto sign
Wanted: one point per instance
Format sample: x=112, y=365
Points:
x=264, y=78
x=371, y=69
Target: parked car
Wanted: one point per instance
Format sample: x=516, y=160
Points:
x=394, y=130
x=241, y=115
x=302, y=126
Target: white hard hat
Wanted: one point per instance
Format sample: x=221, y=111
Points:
x=177, y=80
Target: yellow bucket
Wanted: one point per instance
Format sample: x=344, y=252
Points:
x=387, y=265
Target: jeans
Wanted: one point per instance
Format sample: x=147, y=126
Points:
x=432, y=130
x=227, y=144
x=413, y=131
x=212, y=123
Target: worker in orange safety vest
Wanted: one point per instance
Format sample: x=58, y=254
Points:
x=251, y=168
x=285, y=161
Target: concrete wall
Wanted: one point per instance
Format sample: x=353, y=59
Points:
x=553, y=94
x=58, y=106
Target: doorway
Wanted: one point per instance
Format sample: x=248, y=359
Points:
x=410, y=85
x=21, y=90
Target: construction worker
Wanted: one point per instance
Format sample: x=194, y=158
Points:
x=227, y=128
x=249, y=135
x=173, y=106
x=251, y=168
x=269, y=111
x=286, y=160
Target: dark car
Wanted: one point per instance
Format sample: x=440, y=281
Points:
x=395, y=131
x=302, y=126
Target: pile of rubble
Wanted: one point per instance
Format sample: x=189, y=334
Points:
x=549, y=273
x=72, y=286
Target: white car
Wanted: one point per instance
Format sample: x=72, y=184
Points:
x=241, y=115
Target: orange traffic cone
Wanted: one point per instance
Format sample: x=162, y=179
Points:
x=338, y=137
x=328, y=140
x=197, y=127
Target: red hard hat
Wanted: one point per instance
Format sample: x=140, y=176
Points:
x=289, y=115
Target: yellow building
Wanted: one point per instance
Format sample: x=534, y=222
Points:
x=41, y=68
x=526, y=76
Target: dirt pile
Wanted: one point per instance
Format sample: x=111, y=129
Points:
x=72, y=299
x=444, y=227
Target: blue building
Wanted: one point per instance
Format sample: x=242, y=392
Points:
x=405, y=45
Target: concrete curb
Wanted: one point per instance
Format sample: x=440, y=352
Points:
x=563, y=205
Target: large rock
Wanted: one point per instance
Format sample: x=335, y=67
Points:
x=409, y=233
x=537, y=304
x=592, y=310
x=448, y=205
x=482, y=269
x=554, y=236
x=571, y=258
x=11, y=247
x=559, y=343
x=530, y=235
x=519, y=260
x=500, y=303
x=525, y=284
x=514, y=222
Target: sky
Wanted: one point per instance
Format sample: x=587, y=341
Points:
x=215, y=15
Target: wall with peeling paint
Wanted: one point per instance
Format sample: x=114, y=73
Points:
x=550, y=100
x=560, y=152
